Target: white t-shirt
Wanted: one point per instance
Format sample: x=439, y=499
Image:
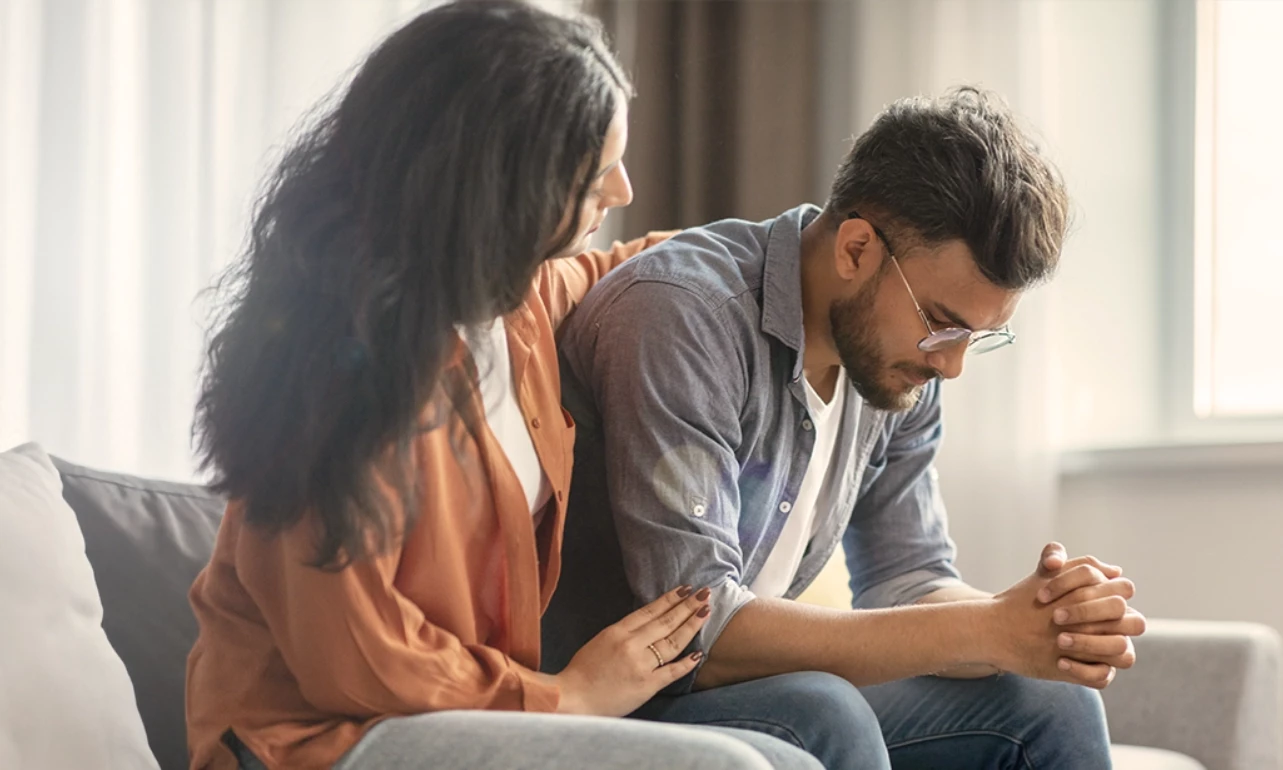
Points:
x=503, y=414
x=826, y=420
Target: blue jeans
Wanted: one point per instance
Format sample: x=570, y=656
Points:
x=927, y=723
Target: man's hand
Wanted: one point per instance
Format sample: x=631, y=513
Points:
x=1054, y=560
x=1069, y=621
x=1090, y=604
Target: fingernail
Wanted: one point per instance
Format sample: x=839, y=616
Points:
x=703, y=594
x=1044, y=596
x=1066, y=641
x=1063, y=664
x=684, y=591
x=1061, y=615
x=697, y=655
x=703, y=611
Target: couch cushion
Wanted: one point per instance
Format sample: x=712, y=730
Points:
x=65, y=697
x=1142, y=758
x=147, y=540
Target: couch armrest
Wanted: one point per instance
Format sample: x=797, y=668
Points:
x=1207, y=689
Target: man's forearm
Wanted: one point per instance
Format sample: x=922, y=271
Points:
x=777, y=636
x=961, y=593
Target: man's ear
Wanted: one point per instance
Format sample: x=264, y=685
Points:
x=852, y=248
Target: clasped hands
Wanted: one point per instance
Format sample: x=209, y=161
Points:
x=1069, y=621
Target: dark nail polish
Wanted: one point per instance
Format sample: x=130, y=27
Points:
x=703, y=611
x=684, y=591
x=703, y=594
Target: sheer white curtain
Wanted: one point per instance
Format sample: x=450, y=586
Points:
x=133, y=135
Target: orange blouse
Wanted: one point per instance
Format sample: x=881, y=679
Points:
x=300, y=662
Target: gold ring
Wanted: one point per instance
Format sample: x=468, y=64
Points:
x=658, y=658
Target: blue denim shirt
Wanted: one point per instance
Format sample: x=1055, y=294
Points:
x=683, y=370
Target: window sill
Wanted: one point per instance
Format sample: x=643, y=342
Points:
x=1172, y=458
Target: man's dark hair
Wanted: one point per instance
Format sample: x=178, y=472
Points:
x=958, y=167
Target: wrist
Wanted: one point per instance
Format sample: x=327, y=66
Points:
x=991, y=647
x=570, y=702
x=974, y=638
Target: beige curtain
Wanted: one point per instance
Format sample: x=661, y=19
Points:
x=725, y=118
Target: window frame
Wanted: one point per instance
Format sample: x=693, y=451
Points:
x=1185, y=236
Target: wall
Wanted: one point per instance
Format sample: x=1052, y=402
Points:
x=1202, y=543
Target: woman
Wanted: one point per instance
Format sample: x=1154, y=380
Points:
x=381, y=406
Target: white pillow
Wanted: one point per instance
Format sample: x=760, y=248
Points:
x=66, y=700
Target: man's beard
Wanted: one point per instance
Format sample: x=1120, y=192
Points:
x=856, y=341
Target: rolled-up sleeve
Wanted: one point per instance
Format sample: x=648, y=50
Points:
x=668, y=379
x=897, y=544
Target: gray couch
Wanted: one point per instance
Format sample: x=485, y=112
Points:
x=1207, y=690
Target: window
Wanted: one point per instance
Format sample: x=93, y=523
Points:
x=1238, y=210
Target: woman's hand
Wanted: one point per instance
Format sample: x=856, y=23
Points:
x=627, y=663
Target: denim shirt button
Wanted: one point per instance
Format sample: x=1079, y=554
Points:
x=786, y=506
x=698, y=510
x=806, y=425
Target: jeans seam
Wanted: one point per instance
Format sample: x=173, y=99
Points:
x=738, y=723
x=1024, y=754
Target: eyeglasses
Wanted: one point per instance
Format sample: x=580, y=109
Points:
x=943, y=339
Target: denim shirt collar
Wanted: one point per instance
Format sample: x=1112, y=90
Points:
x=782, y=281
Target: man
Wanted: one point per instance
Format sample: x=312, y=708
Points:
x=750, y=394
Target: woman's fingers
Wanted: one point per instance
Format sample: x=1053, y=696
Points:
x=672, y=619
x=671, y=672
x=671, y=645
x=640, y=617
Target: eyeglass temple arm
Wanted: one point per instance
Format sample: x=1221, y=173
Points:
x=912, y=298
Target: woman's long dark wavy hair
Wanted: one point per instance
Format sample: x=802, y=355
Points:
x=426, y=197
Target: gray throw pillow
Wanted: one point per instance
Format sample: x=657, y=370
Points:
x=146, y=541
